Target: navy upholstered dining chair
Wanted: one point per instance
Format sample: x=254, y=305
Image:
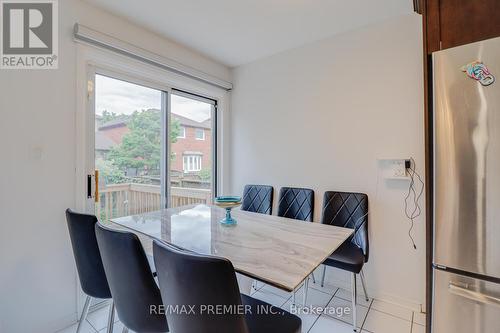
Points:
x=205, y=282
x=349, y=210
x=131, y=281
x=88, y=262
x=258, y=199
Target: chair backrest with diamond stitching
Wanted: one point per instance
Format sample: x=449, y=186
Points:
x=296, y=203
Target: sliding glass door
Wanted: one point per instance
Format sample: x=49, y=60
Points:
x=129, y=122
x=152, y=148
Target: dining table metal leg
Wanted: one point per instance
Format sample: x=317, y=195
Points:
x=323, y=276
x=306, y=288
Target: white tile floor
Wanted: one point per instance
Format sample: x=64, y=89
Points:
x=374, y=316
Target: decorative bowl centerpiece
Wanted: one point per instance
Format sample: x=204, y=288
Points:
x=228, y=203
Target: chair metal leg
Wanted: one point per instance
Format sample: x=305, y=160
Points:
x=312, y=275
x=85, y=312
x=294, y=293
x=362, y=275
x=354, y=301
x=306, y=288
x=111, y=317
x=323, y=276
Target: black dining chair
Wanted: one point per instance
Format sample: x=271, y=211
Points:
x=349, y=210
x=297, y=203
x=134, y=289
x=88, y=262
x=208, y=286
x=258, y=199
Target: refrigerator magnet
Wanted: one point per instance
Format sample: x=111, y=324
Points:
x=478, y=71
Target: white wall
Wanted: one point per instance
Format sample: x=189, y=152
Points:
x=37, y=173
x=321, y=115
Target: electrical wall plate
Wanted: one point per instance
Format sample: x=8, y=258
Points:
x=394, y=168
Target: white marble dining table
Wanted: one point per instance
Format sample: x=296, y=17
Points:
x=279, y=251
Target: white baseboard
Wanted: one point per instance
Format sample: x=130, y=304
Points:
x=403, y=302
x=339, y=279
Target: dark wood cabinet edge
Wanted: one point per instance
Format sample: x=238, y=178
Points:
x=431, y=17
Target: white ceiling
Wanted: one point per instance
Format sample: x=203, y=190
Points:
x=236, y=32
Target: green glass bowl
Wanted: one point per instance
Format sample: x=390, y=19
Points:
x=228, y=198
x=228, y=203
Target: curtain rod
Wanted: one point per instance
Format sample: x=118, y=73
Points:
x=87, y=35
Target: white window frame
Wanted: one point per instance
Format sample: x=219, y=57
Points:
x=196, y=134
x=192, y=163
x=183, y=131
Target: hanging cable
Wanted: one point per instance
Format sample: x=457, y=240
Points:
x=412, y=192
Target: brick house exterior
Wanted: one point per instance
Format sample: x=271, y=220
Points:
x=191, y=146
x=116, y=132
x=192, y=151
x=108, y=135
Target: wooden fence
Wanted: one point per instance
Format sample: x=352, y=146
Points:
x=128, y=199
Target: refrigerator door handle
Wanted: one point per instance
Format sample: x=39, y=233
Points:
x=458, y=290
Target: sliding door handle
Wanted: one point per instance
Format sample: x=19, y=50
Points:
x=89, y=186
x=473, y=295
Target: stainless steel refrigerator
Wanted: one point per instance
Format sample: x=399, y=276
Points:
x=466, y=288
